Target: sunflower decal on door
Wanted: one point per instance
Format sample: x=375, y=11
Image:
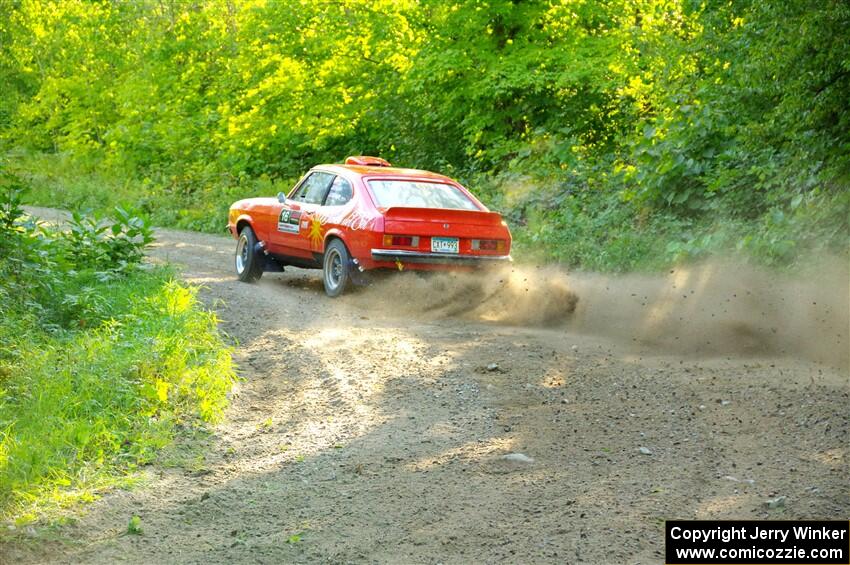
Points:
x=315, y=233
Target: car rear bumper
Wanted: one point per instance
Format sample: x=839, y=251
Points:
x=436, y=258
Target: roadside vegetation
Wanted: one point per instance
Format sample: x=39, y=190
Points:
x=616, y=135
x=103, y=359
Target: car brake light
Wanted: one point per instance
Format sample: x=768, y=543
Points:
x=488, y=244
x=401, y=241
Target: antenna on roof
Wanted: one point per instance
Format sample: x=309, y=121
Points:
x=367, y=161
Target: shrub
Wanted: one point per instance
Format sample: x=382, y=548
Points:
x=102, y=359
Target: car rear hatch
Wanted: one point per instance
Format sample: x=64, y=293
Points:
x=428, y=234
x=442, y=222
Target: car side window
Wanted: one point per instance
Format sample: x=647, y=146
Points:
x=314, y=188
x=340, y=192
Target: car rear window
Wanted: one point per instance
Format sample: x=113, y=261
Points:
x=419, y=194
x=339, y=193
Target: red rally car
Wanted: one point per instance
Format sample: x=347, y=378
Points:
x=365, y=215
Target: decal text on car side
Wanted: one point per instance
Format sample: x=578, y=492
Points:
x=288, y=220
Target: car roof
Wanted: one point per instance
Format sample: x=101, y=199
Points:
x=395, y=172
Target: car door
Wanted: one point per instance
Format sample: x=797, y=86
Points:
x=297, y=218
x=330, y=215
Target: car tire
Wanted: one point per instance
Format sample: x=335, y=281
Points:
x=336, y=268
x=249, y=263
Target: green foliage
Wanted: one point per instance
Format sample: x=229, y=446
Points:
x=643, y=117
x=134, y=526
x=101, y=358
x=113, y=246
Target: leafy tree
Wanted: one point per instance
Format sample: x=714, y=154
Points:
x=667, y=110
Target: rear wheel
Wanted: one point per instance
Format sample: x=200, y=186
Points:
x=249, y=263
x=335, y=271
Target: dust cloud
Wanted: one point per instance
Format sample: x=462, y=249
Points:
x=718, y=308
x=723, y=308
x=508, y=295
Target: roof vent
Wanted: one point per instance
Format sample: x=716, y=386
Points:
x=367, y=161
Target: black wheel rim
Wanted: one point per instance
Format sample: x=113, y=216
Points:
x=334, y=269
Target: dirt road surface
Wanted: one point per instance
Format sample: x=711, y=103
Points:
x=374, y=428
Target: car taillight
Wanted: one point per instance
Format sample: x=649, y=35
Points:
x=488, y=244
x=401, y=241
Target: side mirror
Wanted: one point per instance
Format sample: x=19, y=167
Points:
x=281, y=197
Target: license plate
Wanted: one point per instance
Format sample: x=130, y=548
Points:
x=444, y=245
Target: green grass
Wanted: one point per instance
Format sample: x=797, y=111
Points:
x=625, y=242
x=82, y=408
x=600, y=229
x=188, y=201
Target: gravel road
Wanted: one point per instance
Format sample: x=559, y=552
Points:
x=374, y=428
